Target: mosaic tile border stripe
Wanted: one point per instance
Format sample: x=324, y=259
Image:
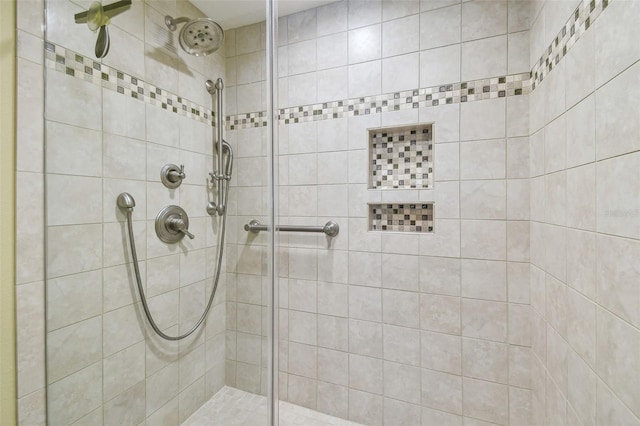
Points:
x=78, y=66
x=580, y=21
x=521, y=84
x=246, y=121
x=466, y=91
x=401, y=217
x=517, y=84
x=73, y=64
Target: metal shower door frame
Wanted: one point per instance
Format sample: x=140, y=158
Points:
x=272, y=185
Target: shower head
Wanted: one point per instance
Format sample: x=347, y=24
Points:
x=198, y=37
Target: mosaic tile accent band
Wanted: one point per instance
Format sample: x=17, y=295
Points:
x=78, y=66
x=579, y=22
x=401, y=157
x=511, y=85
x=466, y=91
x=245, y=121
x=401, y=217
x=75, y=65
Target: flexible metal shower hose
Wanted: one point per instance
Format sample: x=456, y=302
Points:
x=143, y=298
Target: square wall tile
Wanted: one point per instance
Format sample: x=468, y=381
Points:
x=484, y=320
x=440, y=27
x=441, y=65
x=484, y=58
x=482, y=19
x=618, y=196
x=400, y=36
x=486, y=400
x=485, y=280
x=485, y=360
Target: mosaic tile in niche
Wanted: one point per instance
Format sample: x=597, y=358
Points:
x=401, y=157
x=401, y=217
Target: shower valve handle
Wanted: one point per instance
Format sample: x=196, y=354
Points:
x=178, y=224
x=172, y=224
x=172, y=175
x=175, y=175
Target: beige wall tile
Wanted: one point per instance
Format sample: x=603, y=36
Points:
x=616, y=340
x=486, y=400
x=76, y=395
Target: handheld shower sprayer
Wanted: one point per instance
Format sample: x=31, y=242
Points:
x=173, y=220
x=212, y=87
x=178, y=223
x=126, y=202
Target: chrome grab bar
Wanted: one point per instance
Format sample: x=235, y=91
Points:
x=330, y=228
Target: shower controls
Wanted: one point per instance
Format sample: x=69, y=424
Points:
x=172, y=224
x=172, y=175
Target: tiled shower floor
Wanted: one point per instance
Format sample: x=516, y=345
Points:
x=233, y=407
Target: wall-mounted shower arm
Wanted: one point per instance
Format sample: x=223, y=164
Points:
x=172, y=23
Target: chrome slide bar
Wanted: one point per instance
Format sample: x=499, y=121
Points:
x=220, y=129
x=218, y=175
x=330, y=228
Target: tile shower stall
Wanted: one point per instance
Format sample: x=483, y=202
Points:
x=482, y=159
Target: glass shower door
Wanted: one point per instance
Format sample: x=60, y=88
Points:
x=143, y=121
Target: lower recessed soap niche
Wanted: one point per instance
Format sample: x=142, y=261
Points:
x=401, y=217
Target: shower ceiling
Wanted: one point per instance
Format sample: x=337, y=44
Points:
x=236, y=13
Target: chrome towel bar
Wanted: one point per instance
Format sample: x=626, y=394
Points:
x=330, y=228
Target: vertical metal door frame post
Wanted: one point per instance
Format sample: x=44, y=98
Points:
x=272, y=144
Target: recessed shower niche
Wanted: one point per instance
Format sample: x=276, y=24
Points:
x=401, y=164
x=401, y=217
x=401, y=157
